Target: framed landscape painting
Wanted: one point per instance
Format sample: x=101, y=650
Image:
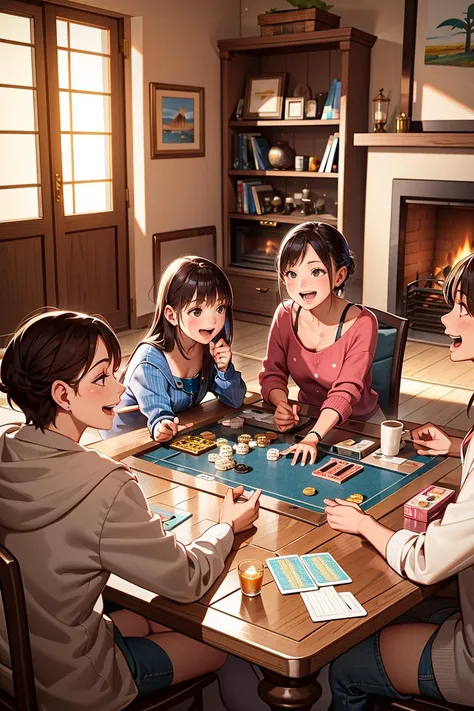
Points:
x=437, y=89
x=176, y=121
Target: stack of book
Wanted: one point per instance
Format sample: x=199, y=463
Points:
x=250, y=196
x=332, y=107
x=330, y=159
x=251, y=151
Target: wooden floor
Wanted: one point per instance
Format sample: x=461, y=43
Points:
x=433, y=389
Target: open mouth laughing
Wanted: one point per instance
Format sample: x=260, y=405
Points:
x=456, y=342
x=206, y=332
x=109, y=409
x=308, y=295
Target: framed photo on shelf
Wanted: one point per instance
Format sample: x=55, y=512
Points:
x=294, y=107
x=176, y=121
x=264, y=95
x=311, y=108
x=437, y=89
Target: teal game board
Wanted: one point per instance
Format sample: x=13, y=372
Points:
x=283, y=482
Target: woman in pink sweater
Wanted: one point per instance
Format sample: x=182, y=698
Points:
x=325, y=343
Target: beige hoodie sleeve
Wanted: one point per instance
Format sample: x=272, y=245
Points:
x=134, y=546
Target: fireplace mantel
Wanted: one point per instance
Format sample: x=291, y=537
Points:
x=415, y=140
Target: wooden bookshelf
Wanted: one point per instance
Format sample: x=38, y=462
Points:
x=315, y=59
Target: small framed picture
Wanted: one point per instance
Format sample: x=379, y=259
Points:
x=176, y=121
x=294, y=107
x=311, y=107
x=264, y=96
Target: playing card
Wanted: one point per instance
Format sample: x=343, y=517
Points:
x=290, y=574
x=324, y=569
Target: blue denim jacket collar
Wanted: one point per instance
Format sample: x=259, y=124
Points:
x=150, y=354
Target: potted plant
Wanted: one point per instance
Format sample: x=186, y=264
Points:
x=308, y=16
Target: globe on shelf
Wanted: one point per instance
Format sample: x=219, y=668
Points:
x=281, y=156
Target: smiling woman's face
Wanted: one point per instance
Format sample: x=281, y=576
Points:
x=459, y=326
x=308, y=282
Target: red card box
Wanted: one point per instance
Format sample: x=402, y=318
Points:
x=428, y=504
x=419, y=526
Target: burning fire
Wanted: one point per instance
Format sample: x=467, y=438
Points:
x=462, y=251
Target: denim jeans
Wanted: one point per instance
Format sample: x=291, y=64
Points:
x=358, y=673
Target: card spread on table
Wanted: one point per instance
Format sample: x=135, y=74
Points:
x=324, y=569
x=327, y=604
x=290, y=574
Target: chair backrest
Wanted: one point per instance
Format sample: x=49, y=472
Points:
x=14, y=607
x=388, y=360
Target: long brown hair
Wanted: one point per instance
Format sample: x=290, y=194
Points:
x=184, y=280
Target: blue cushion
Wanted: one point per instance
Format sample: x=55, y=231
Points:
x=382, y=365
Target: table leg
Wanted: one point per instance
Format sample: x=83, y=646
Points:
x=281, y=692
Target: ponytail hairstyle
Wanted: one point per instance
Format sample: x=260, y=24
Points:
x=184, y=280
x=461, y=279
x=56, y=345
x=329, y=244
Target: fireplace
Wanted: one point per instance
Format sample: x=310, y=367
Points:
x=432, y=227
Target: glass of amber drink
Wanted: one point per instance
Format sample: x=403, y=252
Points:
x=251, y=577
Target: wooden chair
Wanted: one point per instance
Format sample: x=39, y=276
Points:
x=388, y=361
x=416, y=704
x=24, y=698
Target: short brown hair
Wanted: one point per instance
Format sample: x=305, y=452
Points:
x=56, y=345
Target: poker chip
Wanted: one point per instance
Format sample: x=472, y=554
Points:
x=242, y=468
x=223, y=464
x=241, y=448
x=226, y=450
x=237, y=422
x=212, y=457
x=244, y=438
x=260, y=436
x=271, y=436
x=252, y=444
x=225, y=422
x=309, y=491
x=355, y=498
x=273, y=454
x=208, y=435
x=262, y=442
x=221, y=441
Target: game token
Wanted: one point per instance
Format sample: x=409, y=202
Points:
x=260, y=436
x=241, y=448
x=222, y=464
x=355, y=498
x=244, y=438
x=212, y=456
x=252, y=444
x=273, y=455
x=225, y=422
x=237, y=422
x=226, y=450
x=309, y=491
x=272, y=436
x=262, y=442
x=221, y=441
x=208, y=435
x=242, y=468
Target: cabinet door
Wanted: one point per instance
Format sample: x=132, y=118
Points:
x=86, y=112
x=27, y=279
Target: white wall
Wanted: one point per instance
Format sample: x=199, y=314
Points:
x=175, y=43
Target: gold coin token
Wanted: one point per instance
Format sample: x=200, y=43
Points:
x=355, y=498
x=309, y=491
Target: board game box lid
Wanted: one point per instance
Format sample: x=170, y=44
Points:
x=428, y=503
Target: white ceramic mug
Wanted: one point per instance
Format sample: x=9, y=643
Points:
x=391, y=432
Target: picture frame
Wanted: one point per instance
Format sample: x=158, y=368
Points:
x=436, y=89
x=310, y=109
x=177, y=121
x=264, y=95
x=294, y=108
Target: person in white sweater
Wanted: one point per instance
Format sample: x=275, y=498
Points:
x=430, y=651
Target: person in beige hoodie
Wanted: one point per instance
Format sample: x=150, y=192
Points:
x=430, y=651
x=72, y=517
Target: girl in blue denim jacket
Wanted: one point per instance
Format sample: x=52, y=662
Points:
x=185, y=354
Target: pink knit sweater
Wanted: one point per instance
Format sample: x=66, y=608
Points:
x=338, y=377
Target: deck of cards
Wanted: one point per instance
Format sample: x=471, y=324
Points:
x=314, y=576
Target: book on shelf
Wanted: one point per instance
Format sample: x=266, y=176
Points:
x=324, y=159
x=332, y=153
x=260, y=192
x=327, y=110
x=335, y=160
x=261, y=148
x=244, y=152
x=245, y=196
x=336, y=104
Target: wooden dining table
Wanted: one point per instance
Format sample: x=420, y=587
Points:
x=273, y=630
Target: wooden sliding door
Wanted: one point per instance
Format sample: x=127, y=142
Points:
x=63, y=208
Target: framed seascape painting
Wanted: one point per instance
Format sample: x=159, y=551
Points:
x=176, y=121
x=438, y=65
